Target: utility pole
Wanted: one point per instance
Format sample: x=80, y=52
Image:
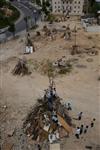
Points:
x=75, y=36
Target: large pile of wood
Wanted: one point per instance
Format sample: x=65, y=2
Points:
x=21, y=68
x=48, y=120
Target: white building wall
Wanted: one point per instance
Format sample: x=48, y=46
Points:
x=75, y=7
x=56, y=6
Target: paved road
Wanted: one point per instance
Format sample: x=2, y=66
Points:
x=27, y=10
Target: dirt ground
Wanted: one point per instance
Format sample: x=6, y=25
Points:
x=80, y=87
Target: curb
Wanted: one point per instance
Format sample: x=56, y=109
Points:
x=21, y=14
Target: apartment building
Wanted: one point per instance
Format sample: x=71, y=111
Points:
x=71, y=7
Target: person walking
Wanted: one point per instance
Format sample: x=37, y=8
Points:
x=69, y=106
x=77, y=133
x=80, y=115
x=81, y=129
x=85, y=131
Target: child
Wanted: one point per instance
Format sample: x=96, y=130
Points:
x=80, y=115
x=77, y=133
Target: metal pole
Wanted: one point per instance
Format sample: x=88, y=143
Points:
x=75, y=36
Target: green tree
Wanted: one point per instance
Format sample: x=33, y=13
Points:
x=2, y=3
x=12, y=29
x=93, y=6
x=47, y=3
x=44, y=8
x=38, y=2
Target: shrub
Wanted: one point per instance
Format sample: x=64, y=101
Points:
x=6, y=21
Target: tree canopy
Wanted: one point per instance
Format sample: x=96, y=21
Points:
x=2, y=3
x=94, y=6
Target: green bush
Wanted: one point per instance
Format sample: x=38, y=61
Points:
x=6, y=21
x=51, y=18
x=94, y=7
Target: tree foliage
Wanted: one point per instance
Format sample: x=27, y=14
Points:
x=38, y=2
x=93, y=6
x=2, y=3
x=45, y=7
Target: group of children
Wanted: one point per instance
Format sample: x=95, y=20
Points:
x=83, y=129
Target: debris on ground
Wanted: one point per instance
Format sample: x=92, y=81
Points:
x=29, y=45
x=38, y=33
x=57, y=67
x=76, y=49
x=21, y=68
x=92, y=51
x=49, y=119
x=62, y=66
x=46, y=31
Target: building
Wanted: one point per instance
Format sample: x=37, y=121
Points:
x=71, y=7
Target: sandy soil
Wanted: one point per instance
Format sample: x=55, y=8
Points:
x=80, y=87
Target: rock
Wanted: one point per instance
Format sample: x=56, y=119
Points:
x=89, y=60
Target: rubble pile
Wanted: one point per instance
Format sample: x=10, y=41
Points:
x=62, y=66
x=48, y=120
x=78, y=50
x=21, y=68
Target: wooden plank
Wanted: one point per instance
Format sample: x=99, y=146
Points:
x=43, y=135
x=64, y=124
x=7, y=146
x=55, y=146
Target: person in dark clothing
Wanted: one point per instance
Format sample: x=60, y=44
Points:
x=94, y=119
x=92, y=124
x=69, y=106
x=54, y=93
x=81, y=129
x=85, y=131
x=80, y=115
x=39, y=147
